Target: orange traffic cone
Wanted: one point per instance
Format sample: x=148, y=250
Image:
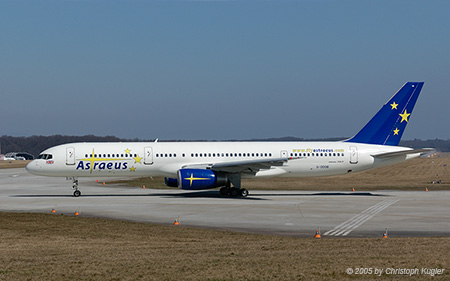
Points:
x=76, y=213
x=385, y=234
x=143, y=187
x=53, y=211
x=353, y=189
x=176, y=222
x=317, y=233
x=426, y=188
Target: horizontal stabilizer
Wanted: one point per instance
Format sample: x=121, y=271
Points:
x=401, y=153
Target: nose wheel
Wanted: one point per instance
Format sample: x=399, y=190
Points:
x=77, y=191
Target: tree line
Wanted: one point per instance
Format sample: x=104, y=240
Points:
x=36, y=144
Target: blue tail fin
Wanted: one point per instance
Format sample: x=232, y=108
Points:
x=388, y=125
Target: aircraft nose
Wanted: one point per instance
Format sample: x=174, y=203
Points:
x=32, y=167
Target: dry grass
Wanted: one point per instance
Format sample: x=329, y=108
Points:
x=9, y=164
x=410, y=175
x=56, y=247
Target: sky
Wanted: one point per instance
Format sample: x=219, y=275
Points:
x=220, y=70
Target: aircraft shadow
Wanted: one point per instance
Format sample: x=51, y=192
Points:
x=319, y=194
x=200, y=194
x=205, y=194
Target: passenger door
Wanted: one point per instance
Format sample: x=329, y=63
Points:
x=70, y=156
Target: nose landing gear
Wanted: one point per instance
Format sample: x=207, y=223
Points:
x=76, y=191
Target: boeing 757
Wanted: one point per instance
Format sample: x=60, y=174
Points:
x=208, y=165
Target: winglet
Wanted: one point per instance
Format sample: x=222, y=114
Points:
x=388, y=125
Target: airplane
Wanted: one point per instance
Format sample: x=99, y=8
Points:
x=208, y=165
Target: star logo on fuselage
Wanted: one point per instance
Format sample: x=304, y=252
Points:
x=137, y=159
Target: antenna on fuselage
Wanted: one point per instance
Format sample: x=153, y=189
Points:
x=156, y=140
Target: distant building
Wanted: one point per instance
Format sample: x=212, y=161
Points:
x=19, y=155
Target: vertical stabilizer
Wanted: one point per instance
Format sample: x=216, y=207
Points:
x=388, y=125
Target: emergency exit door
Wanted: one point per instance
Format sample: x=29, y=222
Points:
x=353, y=155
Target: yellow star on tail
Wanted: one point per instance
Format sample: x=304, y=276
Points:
x=394, y=105
x=405, y=116
x=396, y=131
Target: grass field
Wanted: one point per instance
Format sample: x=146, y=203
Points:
x=57, y=247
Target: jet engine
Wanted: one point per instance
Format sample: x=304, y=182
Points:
x=197, y=179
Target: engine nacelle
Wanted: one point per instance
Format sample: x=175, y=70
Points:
x=196, y=179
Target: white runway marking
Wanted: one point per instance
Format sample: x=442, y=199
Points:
x=348, y=226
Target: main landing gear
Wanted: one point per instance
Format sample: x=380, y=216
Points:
x=76, y=191
x=234, y=192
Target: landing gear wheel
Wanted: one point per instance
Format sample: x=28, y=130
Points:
x=244, y=192
x=76, y=193
x=223, y=191
x=234, y=192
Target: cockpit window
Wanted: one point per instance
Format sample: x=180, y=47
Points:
x=45, y=156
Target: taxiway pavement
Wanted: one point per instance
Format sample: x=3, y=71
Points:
x=294, y=213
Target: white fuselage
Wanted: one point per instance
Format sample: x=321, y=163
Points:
x=307, y=159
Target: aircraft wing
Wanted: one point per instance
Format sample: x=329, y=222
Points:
x=387, y=155
x=250, y=166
